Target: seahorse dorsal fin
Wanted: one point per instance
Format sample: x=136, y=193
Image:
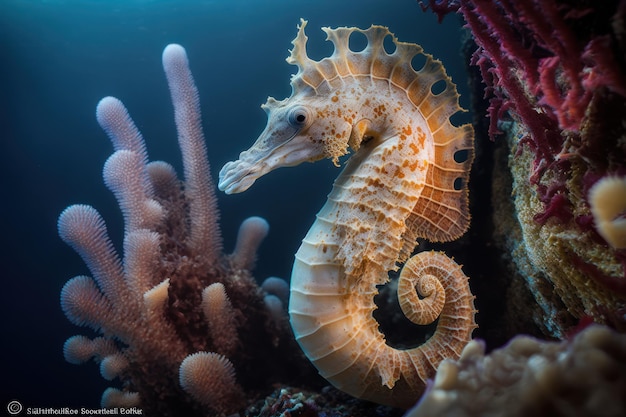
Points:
x=297, y=55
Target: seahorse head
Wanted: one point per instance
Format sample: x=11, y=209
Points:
x=300, y=128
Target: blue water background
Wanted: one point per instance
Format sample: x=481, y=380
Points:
x=58, y=58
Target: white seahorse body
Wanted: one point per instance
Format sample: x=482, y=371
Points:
x=331, y=304
x=397, y=186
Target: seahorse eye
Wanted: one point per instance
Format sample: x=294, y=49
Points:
x=298, y=116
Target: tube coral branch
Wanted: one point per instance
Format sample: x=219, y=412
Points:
x=114, y=119
x=251, y=233
x=142, y=252
x=210, y=379
x=123, y=174
x=220, y=317
x=113, y=397
x=84, y=305
x=83, y=228
x=80, y=349
x=112, y=366
x=199, y=187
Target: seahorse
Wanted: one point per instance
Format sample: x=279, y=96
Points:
x=406, y=179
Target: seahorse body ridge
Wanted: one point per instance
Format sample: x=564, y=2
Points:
x=406, y=179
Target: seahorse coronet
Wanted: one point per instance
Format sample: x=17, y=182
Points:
x=406, y=179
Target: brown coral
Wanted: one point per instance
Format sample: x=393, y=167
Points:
x=174, y=293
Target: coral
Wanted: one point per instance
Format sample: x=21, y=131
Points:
x=545, y=62
x=222, y=326
x=113, y=397
x=210, y=379
x=571, y=274
x=555, y=76
x=277, y=287
x=175, y=308
x=585, y=376
x=277, y=297
x=328, y=402
x=407, y=179
x=251, y=232
x=533, y=52
x=607, y=199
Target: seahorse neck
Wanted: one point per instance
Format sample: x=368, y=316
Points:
x=370, y=201
x=376, y=101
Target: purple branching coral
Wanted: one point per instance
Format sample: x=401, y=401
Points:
x=558, y=68
x=550, y=63
x=181, y=325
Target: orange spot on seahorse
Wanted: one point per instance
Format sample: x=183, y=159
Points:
x=410, y=164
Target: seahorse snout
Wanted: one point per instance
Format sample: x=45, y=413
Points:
x=237, y=176
x=266, y=155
